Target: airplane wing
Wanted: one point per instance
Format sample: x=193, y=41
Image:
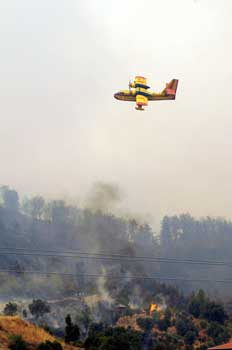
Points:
x=169, y=93
x=125, y=96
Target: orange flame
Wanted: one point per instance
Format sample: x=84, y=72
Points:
x=153, y=308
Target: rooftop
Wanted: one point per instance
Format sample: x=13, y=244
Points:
x=223, y=346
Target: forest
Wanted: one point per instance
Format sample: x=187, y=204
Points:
x=52, y=236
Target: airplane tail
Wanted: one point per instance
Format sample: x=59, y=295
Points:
x=171, y=88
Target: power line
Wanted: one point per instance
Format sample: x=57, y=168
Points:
x=129, y=259
x=106, y=256
x=162, y=278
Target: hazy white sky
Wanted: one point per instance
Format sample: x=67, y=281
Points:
x=61, y=130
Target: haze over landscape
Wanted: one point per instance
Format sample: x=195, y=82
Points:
x=62, y=131
x=115, y=225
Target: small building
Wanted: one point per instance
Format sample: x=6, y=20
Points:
x=227, y=346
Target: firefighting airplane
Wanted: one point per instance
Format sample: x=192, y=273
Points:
x=138, y=92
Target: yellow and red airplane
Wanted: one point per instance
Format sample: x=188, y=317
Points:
x=138, y=92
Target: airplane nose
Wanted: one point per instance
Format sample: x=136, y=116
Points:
x=116, y=95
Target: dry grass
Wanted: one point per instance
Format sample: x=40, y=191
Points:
x=31, y=334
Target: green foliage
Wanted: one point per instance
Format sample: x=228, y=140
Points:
x=10, y=309
x=197, y=303
x=78, y=343
x=114, y=339
x=168, y=314
x=56, y=225
x=48, y=345
x=10, y=198
x=195, y=308
x=59, y=212
x=203, y=324
x=206, y=346
x=146, y=323
x=38, y=308
x=72, y=332
x=24, y=313
x=218, y=333
x=156, y=317
x=168, y=342
x=84, y=318
x=200, y=306
x=190, y=337
x=185, y=324
x=46, y=327
x=215, y=312
x=165, y=322
x=16, y=342
x=34, y=206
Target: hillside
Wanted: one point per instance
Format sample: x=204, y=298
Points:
x=178, y=330
x=51, y=236
x=33, y=335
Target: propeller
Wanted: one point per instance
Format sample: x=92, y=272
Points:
x=129, y=84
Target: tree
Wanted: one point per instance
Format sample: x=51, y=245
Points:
x=156, y=317
x=195, y=308
x=144, y=236
x=168, y=315
x=16, y=342
x=10, y=309
x=197, y=303
x=48, y=345
x=218, y=333
x=72, y=332
x=38, y=308
x=146, y=323
x=84, y=319
x=18, y=268
x=203, y=324
x=59, y=211
x=207, y=345
x=24, y=313
x=164, y=323
x=184, y=324
x=166, y=235
x=10, y=198
x=215, y=312
x=34, y=206
x=114, y=339
x=168, y=341
x=190, y=337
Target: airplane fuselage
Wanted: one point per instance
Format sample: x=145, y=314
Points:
x=139, y=93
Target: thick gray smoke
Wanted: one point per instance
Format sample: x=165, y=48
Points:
x=104, y=197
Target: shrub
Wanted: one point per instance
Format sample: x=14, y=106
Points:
x=203, y=324
x=146, y=323
x=184, y=324
x=215, y=312
x=48, y=345
x=218, y=333
x=38, y=308
x=190, y=337
x=10, y=309
x=16, y=342
x=163, y=324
